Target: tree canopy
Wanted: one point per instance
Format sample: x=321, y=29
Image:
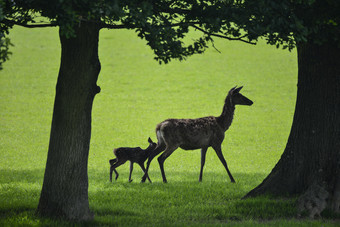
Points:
x=165, y=23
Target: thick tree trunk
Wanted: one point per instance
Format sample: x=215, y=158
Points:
x=65, y=188
x=312, y=153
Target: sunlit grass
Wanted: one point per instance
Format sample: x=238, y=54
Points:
x=137, y=93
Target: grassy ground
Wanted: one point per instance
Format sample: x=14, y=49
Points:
x=137, y=93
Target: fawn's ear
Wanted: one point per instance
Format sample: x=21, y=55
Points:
x=150, y=140
x=237, y=90
x=232, y=90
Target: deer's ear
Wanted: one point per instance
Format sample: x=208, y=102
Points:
x=237, y=90
x=149, y=140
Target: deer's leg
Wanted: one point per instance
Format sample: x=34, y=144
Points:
x=168, y=151
x=113, y=168
x=203, y=154
x=153, y=154
x=218, y=151
x=143, y=168
x=131, y=168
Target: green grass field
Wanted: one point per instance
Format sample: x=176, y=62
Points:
x=137, y=93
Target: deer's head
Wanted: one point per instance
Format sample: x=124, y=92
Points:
x=237, y=98
x=151, y=146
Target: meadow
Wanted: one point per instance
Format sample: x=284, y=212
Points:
x=136, y=94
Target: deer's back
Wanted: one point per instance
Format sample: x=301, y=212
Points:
x=190, y=134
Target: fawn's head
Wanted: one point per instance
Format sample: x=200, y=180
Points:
x=151, y=146
x=237, y=98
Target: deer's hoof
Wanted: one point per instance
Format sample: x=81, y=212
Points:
x=130, y=181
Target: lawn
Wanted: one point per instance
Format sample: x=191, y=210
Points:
x=137, y=93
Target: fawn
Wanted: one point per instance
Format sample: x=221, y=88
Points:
x=132, y=154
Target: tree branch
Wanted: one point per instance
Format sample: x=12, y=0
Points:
x=28, y=25
x=223, y=36
x=122, y=26
x=115, y=26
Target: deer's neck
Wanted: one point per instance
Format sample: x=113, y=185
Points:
x=227, y=115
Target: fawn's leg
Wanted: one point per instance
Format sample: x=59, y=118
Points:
x=131, y=168
x=113, y=168
x=218, y=151
x=112, y=161
x=143, y=168
x=153, y=154
x=203, y=154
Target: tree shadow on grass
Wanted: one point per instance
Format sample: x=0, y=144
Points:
x=214, y=199
x=21, y=176
x=6, y=212
x=19, y=196
x=183, y=199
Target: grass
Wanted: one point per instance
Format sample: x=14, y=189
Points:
x=137, y=93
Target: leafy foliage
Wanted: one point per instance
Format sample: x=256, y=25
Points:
x=164, y=24
x=4, y=46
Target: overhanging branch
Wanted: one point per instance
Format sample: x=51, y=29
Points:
x=115, y=26
x=122, y=26
x=223, y=36
x=7, y=21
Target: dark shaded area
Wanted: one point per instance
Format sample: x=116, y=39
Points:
x=18, y=202
x=312, y=153
x=19, y=176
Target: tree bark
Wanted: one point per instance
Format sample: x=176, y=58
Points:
x=312, y=153
x=65, y=188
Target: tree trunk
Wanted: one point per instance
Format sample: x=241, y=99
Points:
x=312, y=153
x=65, y=188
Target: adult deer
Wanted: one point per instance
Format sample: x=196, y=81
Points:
x=191, y=134
x=132, y=154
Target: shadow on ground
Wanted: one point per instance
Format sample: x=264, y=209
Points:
x=215, y=200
